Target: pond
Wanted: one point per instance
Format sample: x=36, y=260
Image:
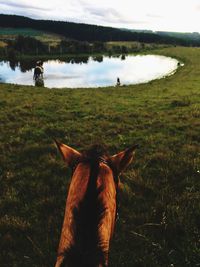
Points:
x=90, y=71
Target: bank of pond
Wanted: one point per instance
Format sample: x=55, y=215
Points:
x=92, y=71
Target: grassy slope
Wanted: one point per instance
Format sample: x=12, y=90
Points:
x=21, y=31
x=160, y=204
x=47, y=38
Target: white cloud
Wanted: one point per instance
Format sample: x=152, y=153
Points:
x=22, y=5
x=169, y=15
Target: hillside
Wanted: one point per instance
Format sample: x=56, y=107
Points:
x=45, y=37
x=193, y=36
x=187, y=36
x=85, y=32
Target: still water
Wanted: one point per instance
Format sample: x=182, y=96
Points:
x=90, y=71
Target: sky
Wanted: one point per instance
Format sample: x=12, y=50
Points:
x=155, y=15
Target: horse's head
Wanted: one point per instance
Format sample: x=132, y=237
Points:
x=118, y=162
x=91, y=205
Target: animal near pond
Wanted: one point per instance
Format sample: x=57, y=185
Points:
x=91, y=206
x=89, y=72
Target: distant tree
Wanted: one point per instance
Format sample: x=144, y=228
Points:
x=124, y=49
x=12, y=54
x=116, y=49
x=98, y=46
x=28, y=45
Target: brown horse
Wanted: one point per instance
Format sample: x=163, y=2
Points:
x=91, y=205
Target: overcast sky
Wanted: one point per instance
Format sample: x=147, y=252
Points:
x=164, y=15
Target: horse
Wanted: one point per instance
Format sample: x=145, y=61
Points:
x=91, y=205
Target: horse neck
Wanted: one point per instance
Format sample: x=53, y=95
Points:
x=88, y=215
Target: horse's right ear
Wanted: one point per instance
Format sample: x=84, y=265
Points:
x=121, y=160
x=69, y=155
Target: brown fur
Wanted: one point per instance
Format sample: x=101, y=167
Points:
x=90, y=208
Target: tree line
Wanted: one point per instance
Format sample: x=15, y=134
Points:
x=26, y=45
x=91, y=33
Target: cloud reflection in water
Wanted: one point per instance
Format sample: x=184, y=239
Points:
x=58, y=74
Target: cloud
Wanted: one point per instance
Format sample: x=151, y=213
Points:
x=171, y=15
x=14, y=5
x=107, y=16
x=197, y=7
x=154, y=16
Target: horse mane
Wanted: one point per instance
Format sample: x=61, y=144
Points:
x=87, y=215
x=94, y=154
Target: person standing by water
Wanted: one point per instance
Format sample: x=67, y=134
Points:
x=38, y=74
x=118, y=82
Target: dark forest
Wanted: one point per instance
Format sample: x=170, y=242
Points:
x=91, y=33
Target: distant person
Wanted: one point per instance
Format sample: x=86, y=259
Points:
x=38, y=74
x=38, y=71
x=118, y=82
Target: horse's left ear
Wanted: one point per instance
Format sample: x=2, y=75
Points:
x=69, y=155
x=121, y=160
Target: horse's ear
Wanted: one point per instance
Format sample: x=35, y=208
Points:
x=121, y=160
x=69, y=155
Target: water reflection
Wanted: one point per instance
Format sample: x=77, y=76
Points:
x=13, y=64
x=98, y=58
x=78, y=60
x=89, y=71
x=39, y=82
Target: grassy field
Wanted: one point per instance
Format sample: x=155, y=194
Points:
x=19, y=31
x=47, y=38
x=135, y=44
x=160, y=204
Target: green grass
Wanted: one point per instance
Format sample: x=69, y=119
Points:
x=20, y=31
x=45, y=37
x=135, y=44
x=160, y=202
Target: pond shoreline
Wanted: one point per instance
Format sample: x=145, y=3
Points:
x=94, y=71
